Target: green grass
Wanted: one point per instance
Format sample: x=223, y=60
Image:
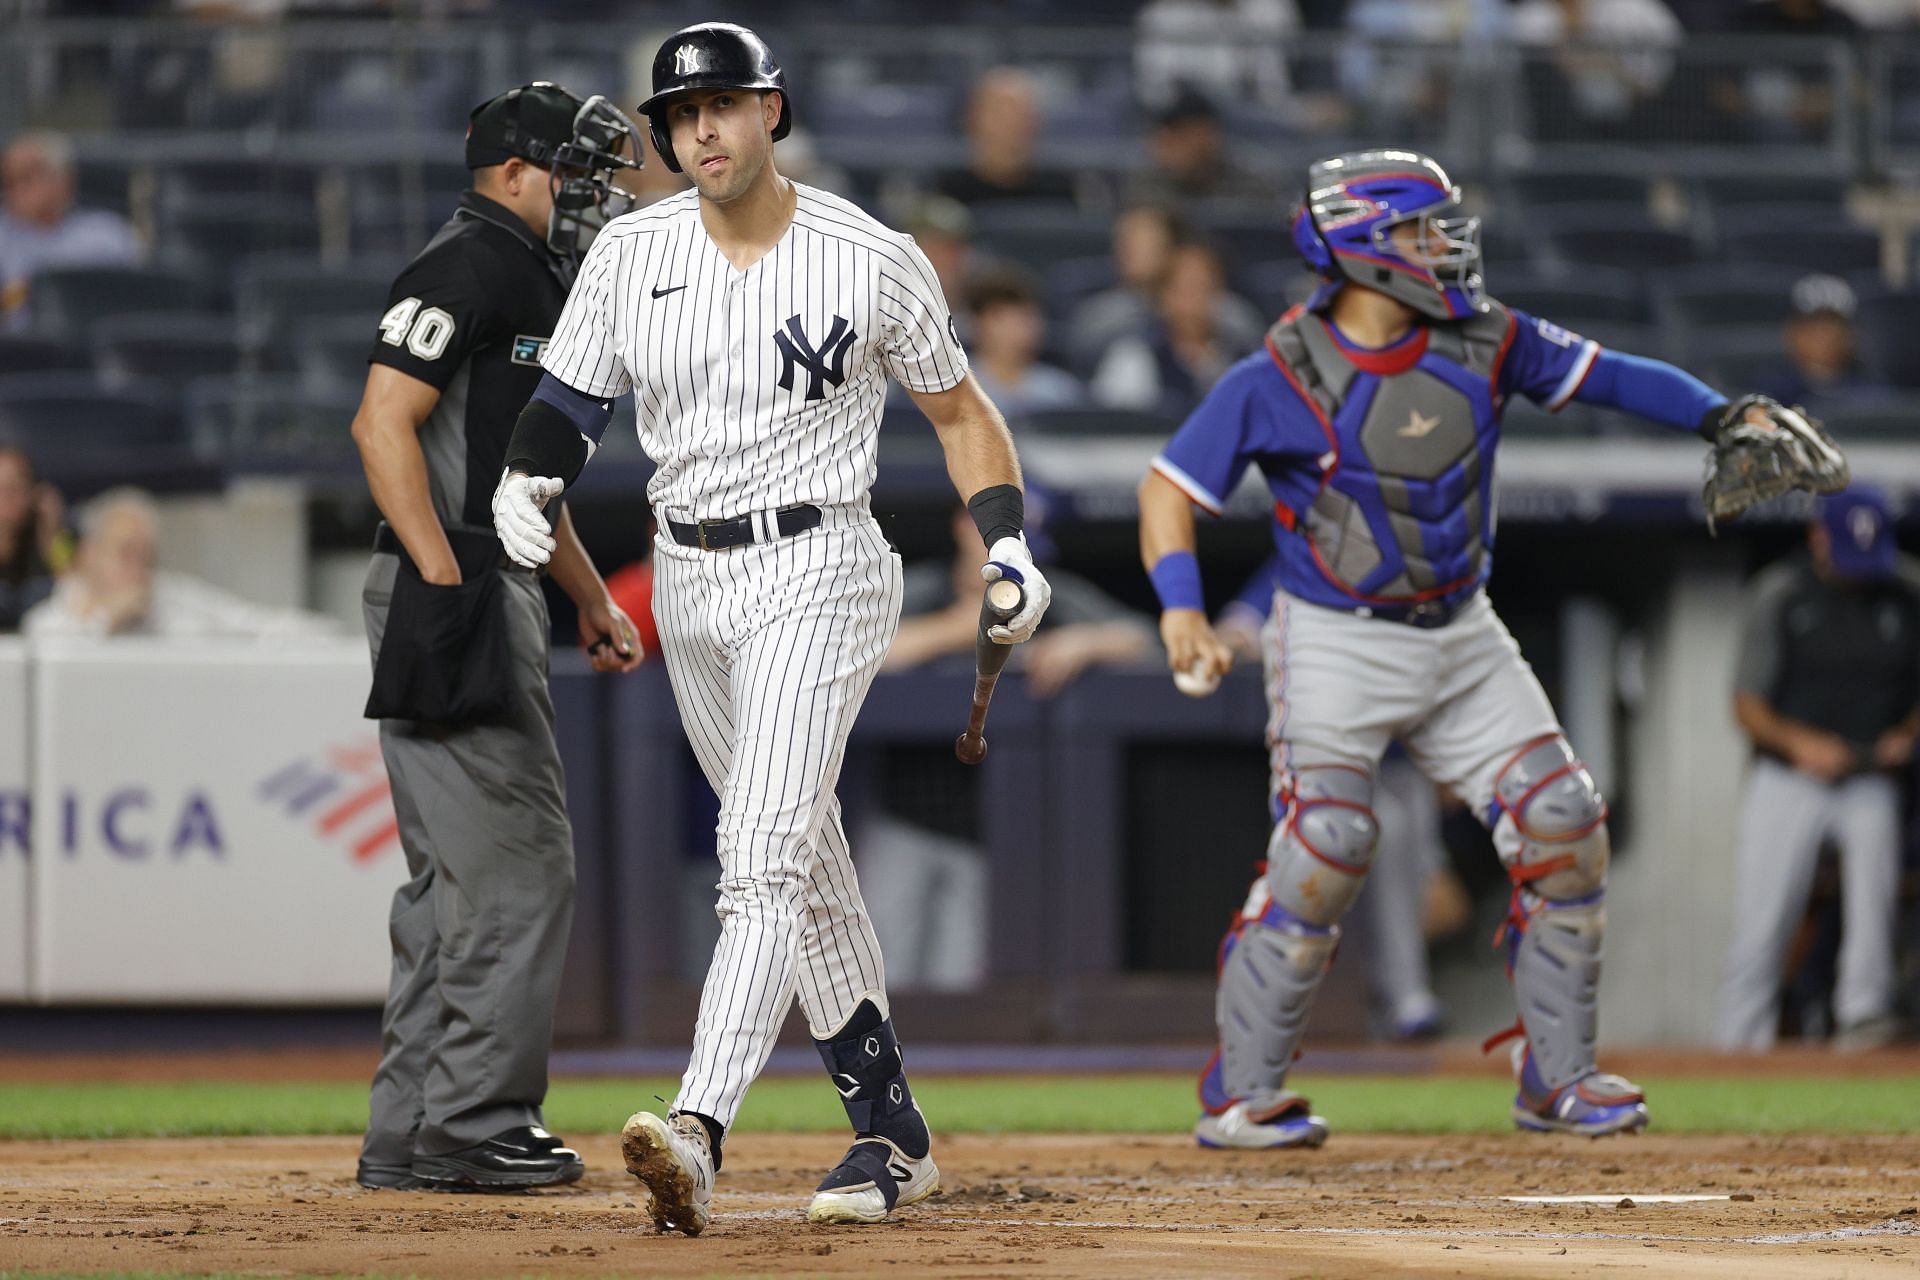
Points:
x=1096, y=1104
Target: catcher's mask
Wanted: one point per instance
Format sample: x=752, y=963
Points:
x=581, y=145
x=1382, y=219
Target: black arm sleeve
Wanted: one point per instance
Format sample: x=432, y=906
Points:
x=547, y=443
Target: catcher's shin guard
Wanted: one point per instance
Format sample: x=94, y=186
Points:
x=1549, y=824
x=1271, y=966
x=863, y=1061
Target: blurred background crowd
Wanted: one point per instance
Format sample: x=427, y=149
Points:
x=204, y=205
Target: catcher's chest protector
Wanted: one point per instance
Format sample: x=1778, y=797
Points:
x=1405, y=508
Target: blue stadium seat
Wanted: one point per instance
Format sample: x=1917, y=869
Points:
x=1887, y=324
x=212, y=239
x=1588, y=296
x=69, y=419
x=168, y=348
x=27, y=354
x=1706, y=297
x=1071, y=281
x=67, y=303
x=1895, y=418
x=1538, y=186
x=1039, y=235
x=1619, y=236
x=1805, y=237
x=1734, y=359
x=276, y=294
x=1097, y=422
x=268, y=418
x=332, y=354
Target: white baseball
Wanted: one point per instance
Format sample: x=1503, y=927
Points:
x=1196, y=681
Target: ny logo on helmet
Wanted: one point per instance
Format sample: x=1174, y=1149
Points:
x=686, y=60
x=825, y=363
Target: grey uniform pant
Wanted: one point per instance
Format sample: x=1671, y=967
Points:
x=1784, y=816
x=480, y=928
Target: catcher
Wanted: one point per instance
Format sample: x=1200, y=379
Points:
x=1373, y=413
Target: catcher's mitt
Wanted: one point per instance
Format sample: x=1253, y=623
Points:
x=1762, y=449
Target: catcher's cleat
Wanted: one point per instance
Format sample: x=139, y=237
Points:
x=673, y=1158
x=873, y=1179
x=1595, y=1105
x=1286, y=1123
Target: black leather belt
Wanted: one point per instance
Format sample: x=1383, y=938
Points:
x=1427, y=614
x=718, y=535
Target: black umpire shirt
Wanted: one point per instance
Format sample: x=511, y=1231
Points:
x=1840, y=656
x=471, y=316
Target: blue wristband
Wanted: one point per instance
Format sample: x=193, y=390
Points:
x=1176, y=580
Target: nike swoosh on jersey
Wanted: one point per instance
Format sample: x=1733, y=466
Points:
x=658, y=292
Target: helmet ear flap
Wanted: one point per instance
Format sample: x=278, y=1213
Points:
x=662, y=141
x=1309, y=241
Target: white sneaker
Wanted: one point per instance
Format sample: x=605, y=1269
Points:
x=1289, y=1124
x=672, y=1157
x=872, y=1180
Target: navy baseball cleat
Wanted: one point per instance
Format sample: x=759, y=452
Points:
x=1596, y=1104
x=1282, y=1120
x=873, y=1179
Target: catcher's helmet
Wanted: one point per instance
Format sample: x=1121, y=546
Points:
x=711, y=55
x=1344, y=229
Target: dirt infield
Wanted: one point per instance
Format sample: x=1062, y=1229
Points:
x=1013, y=1206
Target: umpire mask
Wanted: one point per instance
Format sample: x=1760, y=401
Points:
x=584, y=196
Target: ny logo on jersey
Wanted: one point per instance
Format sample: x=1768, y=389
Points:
x=825, y=363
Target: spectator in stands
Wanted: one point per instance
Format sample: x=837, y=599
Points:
x=41, y=229
x=1170, y=364
x=116, y=588
x=1786, y=100
x=1144, y=238
x=1611, y=55
x=1236, y=48
x=1002, y=124
x=1188, y=159
x=1821, y=346
x=943, y=229
x=1828, y=690
x=34, y=546
x=1009, y=331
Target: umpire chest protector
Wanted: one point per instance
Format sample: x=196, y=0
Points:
x=1404, y=510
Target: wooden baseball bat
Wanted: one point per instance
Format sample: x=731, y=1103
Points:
x=1002, y=601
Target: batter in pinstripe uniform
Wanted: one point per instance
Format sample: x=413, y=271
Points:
x=756, y=320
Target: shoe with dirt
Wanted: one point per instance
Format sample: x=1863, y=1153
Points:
x=673, y=1158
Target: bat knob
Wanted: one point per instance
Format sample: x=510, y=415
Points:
x=970, y=748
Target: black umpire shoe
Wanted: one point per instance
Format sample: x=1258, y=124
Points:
x=512, y=1160
x=388, y=1177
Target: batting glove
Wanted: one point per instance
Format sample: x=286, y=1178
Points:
x=1009, y=558
x=517, y=518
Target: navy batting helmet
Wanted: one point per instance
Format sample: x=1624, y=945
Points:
x=711, y=55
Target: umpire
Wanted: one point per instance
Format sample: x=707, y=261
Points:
x=460, y=650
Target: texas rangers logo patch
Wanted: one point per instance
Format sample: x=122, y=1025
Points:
x=825, y=363
x=528, y=349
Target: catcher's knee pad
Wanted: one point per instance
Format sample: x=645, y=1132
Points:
x=1549, y=821
x=1322, y=845
x=1271, y=966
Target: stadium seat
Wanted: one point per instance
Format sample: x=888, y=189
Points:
x=1887, y=324
x=1039, y=235
x=67, y=419
x=167, y=348
x=275, y=294
x=1733, y=359
x=1072, y=281
x=270, y=417
x=68, y=302
x=1620, y=236
x=1895, y=418
x=1579, y=300
x=1537, y=187
x=211, y=238
x=1693, y=299
x=26, y=354
x=1808, y=238
x=332, y=354
x=1097, y=422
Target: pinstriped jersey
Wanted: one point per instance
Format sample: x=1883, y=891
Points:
x=760, y=388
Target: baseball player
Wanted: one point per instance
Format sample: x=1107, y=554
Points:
x=755, y=320
x=460, y=642
x=1828, y=690
x=1373, y=413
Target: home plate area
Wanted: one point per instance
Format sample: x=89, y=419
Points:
x=1013, y=1205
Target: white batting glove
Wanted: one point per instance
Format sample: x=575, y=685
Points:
x=1010, y=559
x=524, y=531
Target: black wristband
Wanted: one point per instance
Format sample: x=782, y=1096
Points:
x=999, y=511
x=547, y=443
x=1712, y=423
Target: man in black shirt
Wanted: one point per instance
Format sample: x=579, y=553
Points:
x=1828, y=689
x=460, y=642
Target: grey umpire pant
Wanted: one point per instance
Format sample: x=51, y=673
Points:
x=480, y=929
